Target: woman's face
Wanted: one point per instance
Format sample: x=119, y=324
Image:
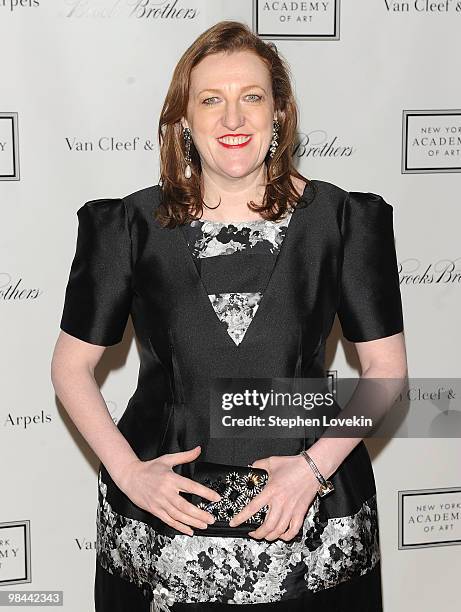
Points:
x=230, y=113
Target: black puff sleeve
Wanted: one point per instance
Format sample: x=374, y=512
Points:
x=98, y=294
x=370, y=304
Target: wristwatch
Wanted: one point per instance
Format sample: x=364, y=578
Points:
x=326, y=486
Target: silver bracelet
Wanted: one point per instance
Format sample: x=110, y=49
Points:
x=326, y=486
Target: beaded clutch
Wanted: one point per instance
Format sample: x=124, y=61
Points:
x=237, y=485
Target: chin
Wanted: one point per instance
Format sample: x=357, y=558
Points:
x=238, y=170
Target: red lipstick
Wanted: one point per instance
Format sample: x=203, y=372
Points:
x=235, y=146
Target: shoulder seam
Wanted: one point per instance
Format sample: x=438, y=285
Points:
x=373, y=198
x=343, y=213
x=128, y=228
x=127, y=219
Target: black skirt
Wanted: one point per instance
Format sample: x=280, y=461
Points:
x=359, y=594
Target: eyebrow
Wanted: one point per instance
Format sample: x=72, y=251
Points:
x=243, y=89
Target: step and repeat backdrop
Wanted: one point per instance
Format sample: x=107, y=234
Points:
x=81, y=87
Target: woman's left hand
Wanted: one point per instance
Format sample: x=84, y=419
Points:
x=290, y=490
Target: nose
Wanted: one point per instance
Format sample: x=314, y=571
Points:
x=233, y=117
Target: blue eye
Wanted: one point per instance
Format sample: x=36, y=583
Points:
x=209, y=103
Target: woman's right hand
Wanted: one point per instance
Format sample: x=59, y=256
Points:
x=154, y=486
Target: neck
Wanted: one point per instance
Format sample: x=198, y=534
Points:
x=234, y=194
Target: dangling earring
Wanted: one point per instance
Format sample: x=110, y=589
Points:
x=187, y=139
x=275, y=138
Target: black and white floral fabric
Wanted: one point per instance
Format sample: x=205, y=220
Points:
x=214, y=239
x=192, y=569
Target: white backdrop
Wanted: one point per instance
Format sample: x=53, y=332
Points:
x=376, y=80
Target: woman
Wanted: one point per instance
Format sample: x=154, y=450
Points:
x=233, y=266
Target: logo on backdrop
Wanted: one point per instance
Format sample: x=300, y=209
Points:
x=85, y=544
x=12, y=5
x=429, y=517
x=431, y=141
x=25, y=421
x=443, y=272
x=13, y=290
x=153, y=10
x=296, y=20
x=15, y=553
x=108, y=144
x=422, y=6
x=9, y=143
x=317, y=143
